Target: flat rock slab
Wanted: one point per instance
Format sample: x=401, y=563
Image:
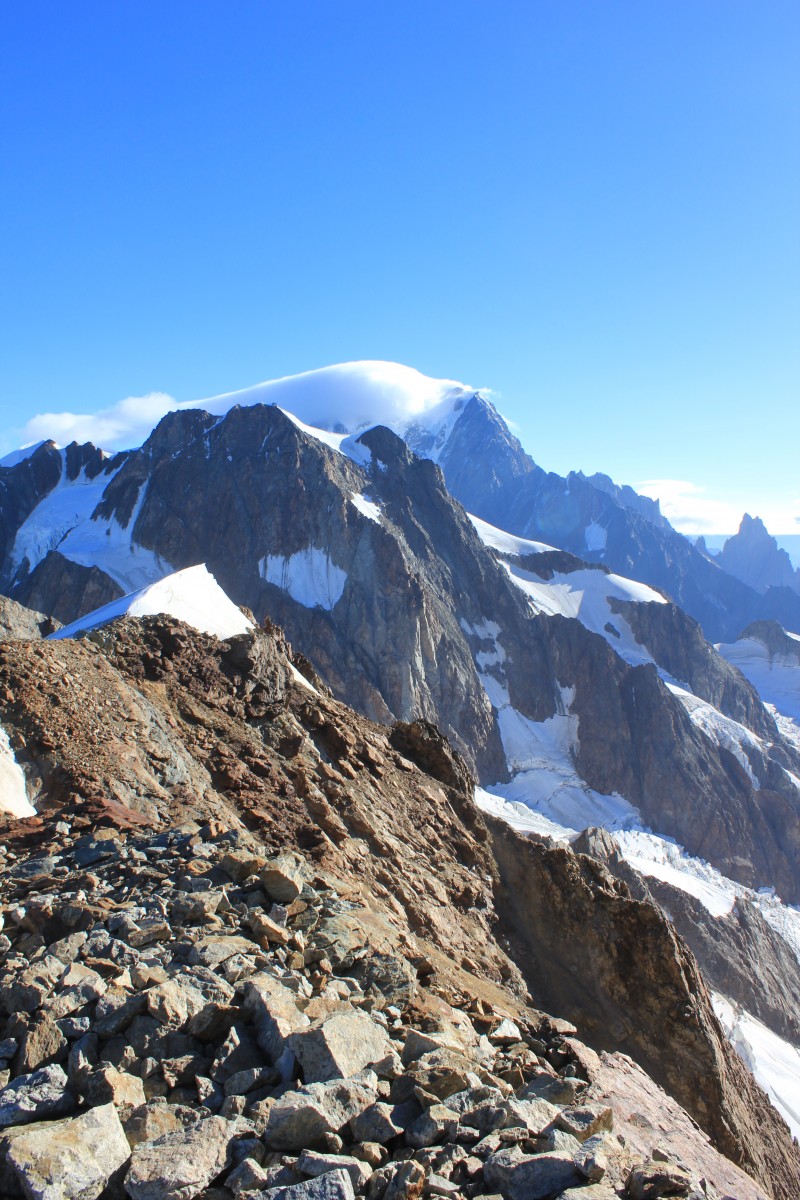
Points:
x=70, y=1160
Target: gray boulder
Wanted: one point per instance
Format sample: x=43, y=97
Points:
x=43, y=1093
x=530, y=1177
x=335, y=1185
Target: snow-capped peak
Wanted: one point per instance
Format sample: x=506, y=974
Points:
x=351, y=396
x=192, y=595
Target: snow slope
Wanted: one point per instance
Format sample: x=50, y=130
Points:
x=71, y=502
x=776, y=677
x=191, y=595
x=774, y=1062
x=13, y=796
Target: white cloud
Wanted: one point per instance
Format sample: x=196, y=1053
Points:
x=692, y=511
x=126, y=423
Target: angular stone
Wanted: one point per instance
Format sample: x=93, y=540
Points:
x=248, y=1177
x=239, y=1052
x=314, y=1164
x=152, y=1121
x=85, y=987
x=406, y=1183
x=437, y=1124
x=41, y=1043
x=437, y=1185
x=250, y=1080
x=282, y=877
x=375, y=1124
x=653, y=1179
x=339, y=1046
x=530, y=1177
x=115, y=1011
x=585, y=1121
x=592, y=1158
x=506, y=1033
x=175, y=1002
x=300, y=1119
x=273, y=1012
x=553, y=1088
x=533, y=1115
x=70, y=1160
x=35, y=1097
x=180, y=1165
x=26, y=990
x=268, y=932
x=218, y=948
x=107, y=1085
x=240, y=864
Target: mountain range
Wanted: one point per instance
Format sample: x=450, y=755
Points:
x=557, y=630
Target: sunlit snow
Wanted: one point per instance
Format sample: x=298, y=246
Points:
x=191, y=595
x=506, y=543
x=13, y=796
x=368, y=508
x=310, y=577
x=349, y=396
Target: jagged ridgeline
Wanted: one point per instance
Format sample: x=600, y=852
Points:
x=142, y=754
x=256, y=944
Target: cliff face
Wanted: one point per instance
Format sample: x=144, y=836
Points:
x=148, y=725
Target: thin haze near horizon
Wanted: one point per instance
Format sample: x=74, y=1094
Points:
x=590, y=209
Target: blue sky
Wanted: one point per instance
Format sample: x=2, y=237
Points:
x=591, y=208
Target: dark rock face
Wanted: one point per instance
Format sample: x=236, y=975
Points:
x=739, y=954
x=66, y=588
x=507, y=489
x=25, y=485
x=677, y=644
x=16, y=621
x=753, y=556
x=773, y=637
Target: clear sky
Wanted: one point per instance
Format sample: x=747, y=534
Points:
x=591, y=208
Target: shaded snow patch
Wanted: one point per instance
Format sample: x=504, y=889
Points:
x=309, y=577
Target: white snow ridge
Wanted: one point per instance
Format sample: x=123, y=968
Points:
x=192, y=595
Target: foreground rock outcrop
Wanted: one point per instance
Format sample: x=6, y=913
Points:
x=280, y=946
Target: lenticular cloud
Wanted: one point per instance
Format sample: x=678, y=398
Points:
x=348, y=397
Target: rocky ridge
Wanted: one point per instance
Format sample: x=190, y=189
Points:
x=138, y=960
